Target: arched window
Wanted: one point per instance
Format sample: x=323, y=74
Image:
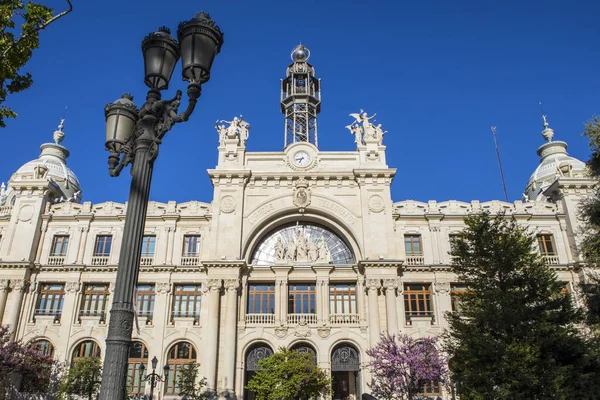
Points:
x=253, y=356
x=303, y=243
x=179, y=356
x=345, y=371
x=305, y=348
x=44, y=347
x=88, y=348
x=138, y=355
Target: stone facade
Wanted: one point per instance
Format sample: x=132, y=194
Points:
x=211, y=277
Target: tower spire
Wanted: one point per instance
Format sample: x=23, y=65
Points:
x=300, y=99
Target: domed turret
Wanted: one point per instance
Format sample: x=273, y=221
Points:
x=554, y=162
x=52, y=166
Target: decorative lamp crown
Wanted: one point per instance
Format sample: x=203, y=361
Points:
x=161, y=53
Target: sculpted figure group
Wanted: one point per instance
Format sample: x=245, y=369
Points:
x=302, y=250
x=362, y=128
x=237, y=129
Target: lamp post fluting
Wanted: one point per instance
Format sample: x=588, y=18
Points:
x=153, y=377
x=133, y=137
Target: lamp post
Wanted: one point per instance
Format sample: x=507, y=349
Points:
x=133, y=137
x=153, y=377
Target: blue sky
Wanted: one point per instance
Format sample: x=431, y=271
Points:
x=438, y=74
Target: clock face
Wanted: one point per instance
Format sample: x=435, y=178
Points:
x=302, y=159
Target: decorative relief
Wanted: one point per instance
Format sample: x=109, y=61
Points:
x=302, y=249
x=163, y=287
x=72, y=287
x=227, y=204
x=373, y=283
x=214, y=284
x=4, y=285
x=232, y=284
x=302, y=330
x=26, y=212
x=301, y=196
x=442, y=287
x=281, y=331
x=390, y=283
x=323, y=331
x=376, y=203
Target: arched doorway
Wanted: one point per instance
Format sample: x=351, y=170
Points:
x=179, y=355
x=345, y=372
x=87, y=348
x=253, y=356
x=305, y=348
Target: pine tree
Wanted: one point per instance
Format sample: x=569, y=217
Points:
x=517, y=335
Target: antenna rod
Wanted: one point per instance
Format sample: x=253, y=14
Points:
x=499, y=163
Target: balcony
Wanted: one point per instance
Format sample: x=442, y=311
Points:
x=301, y=319
x=100, y=260
x=88, y=315
x=419, y=318
x=53, y=315
x=190, y=260
x=415, y=260
x=186, y=316
x=260, y=319
x=56, y=260
x=145, y=316
x=550, y=259
x=147, y=261
x=343, y=319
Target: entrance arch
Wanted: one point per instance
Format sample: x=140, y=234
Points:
x=345, y=372
x=302, y=348
x=254, y=354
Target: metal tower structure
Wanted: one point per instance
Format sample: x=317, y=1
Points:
x=300, y=99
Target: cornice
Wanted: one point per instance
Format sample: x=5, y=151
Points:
x=15, y=264
x=224, y=263
x=380, y=264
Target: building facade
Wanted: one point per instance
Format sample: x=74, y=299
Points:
x=301, y=248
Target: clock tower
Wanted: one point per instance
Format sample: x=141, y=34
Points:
x=300, y=99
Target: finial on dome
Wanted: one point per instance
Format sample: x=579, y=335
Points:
x=59, y=135
x=300, y=53
x=547, y=133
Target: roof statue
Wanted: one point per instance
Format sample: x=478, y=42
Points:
x=364, y=130
x=59, y=135
x=237, y=129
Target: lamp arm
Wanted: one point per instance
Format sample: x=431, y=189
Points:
x=193, y=91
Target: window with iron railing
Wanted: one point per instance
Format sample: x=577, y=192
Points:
x=50, y=299
x=186, y=301
x=342, y=304
x=417, y=300
x=94, y=300
x=145, y=301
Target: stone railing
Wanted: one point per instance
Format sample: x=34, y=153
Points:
x=100, y=260
x=550, y=260
x=190, y=260
x=5, y=210
x=415, y=260
x=146, y=261
x=301, y=319
x=56, y=260
x=343, y=319
x=54, y=314
x=419, y=318
x=195, y=315
x=260, y=319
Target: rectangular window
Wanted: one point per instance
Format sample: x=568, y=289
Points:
x=342, y=299
x=301, y=299
x=456, y=291
x=103, y=245
x=186, y=301
x=261, y=299
x=148, y=245
x=60, y=243
x=191, y=246
x=412, y=245
x=145, y=301
x=546, y=244
x=417, y=300
x=50, y=300
x=95, y=298
x=430, y=389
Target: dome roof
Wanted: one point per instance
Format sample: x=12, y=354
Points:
x=50, y=165
x=554, y=162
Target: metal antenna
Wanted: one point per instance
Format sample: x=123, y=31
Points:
x=499, y=163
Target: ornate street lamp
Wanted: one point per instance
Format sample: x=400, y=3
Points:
x=133, y=137
x=153, y=377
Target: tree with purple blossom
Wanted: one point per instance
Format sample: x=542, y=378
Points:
x=403, y=366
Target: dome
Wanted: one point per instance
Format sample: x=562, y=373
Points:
x=554, y=162
x=50, y=165
x=300, y=53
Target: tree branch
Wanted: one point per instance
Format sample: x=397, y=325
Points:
x=42, y=26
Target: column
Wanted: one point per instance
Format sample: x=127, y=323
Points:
x=3, y=295
x=243, y=301
x=360, y=301
x=277, y=315
x=18, y=287
x=373, y=285
x=283, y=293
x=231, y=287
x=212, y=334
x=82, y=244
x=444, y=302
x=390, y=286
x=324, y=295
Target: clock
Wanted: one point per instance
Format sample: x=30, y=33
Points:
x=302, y=158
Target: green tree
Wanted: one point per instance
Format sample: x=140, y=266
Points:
x=516, y=336
x=590, y=244
x=83, y=378
x=190, y=386
x=20, y=24
x=289, y=375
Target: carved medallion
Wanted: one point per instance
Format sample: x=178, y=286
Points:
x=227, y=204
x=281, y=332
x=376, y=203
x=301, y=196
x=442, y=287
x=26, y=212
